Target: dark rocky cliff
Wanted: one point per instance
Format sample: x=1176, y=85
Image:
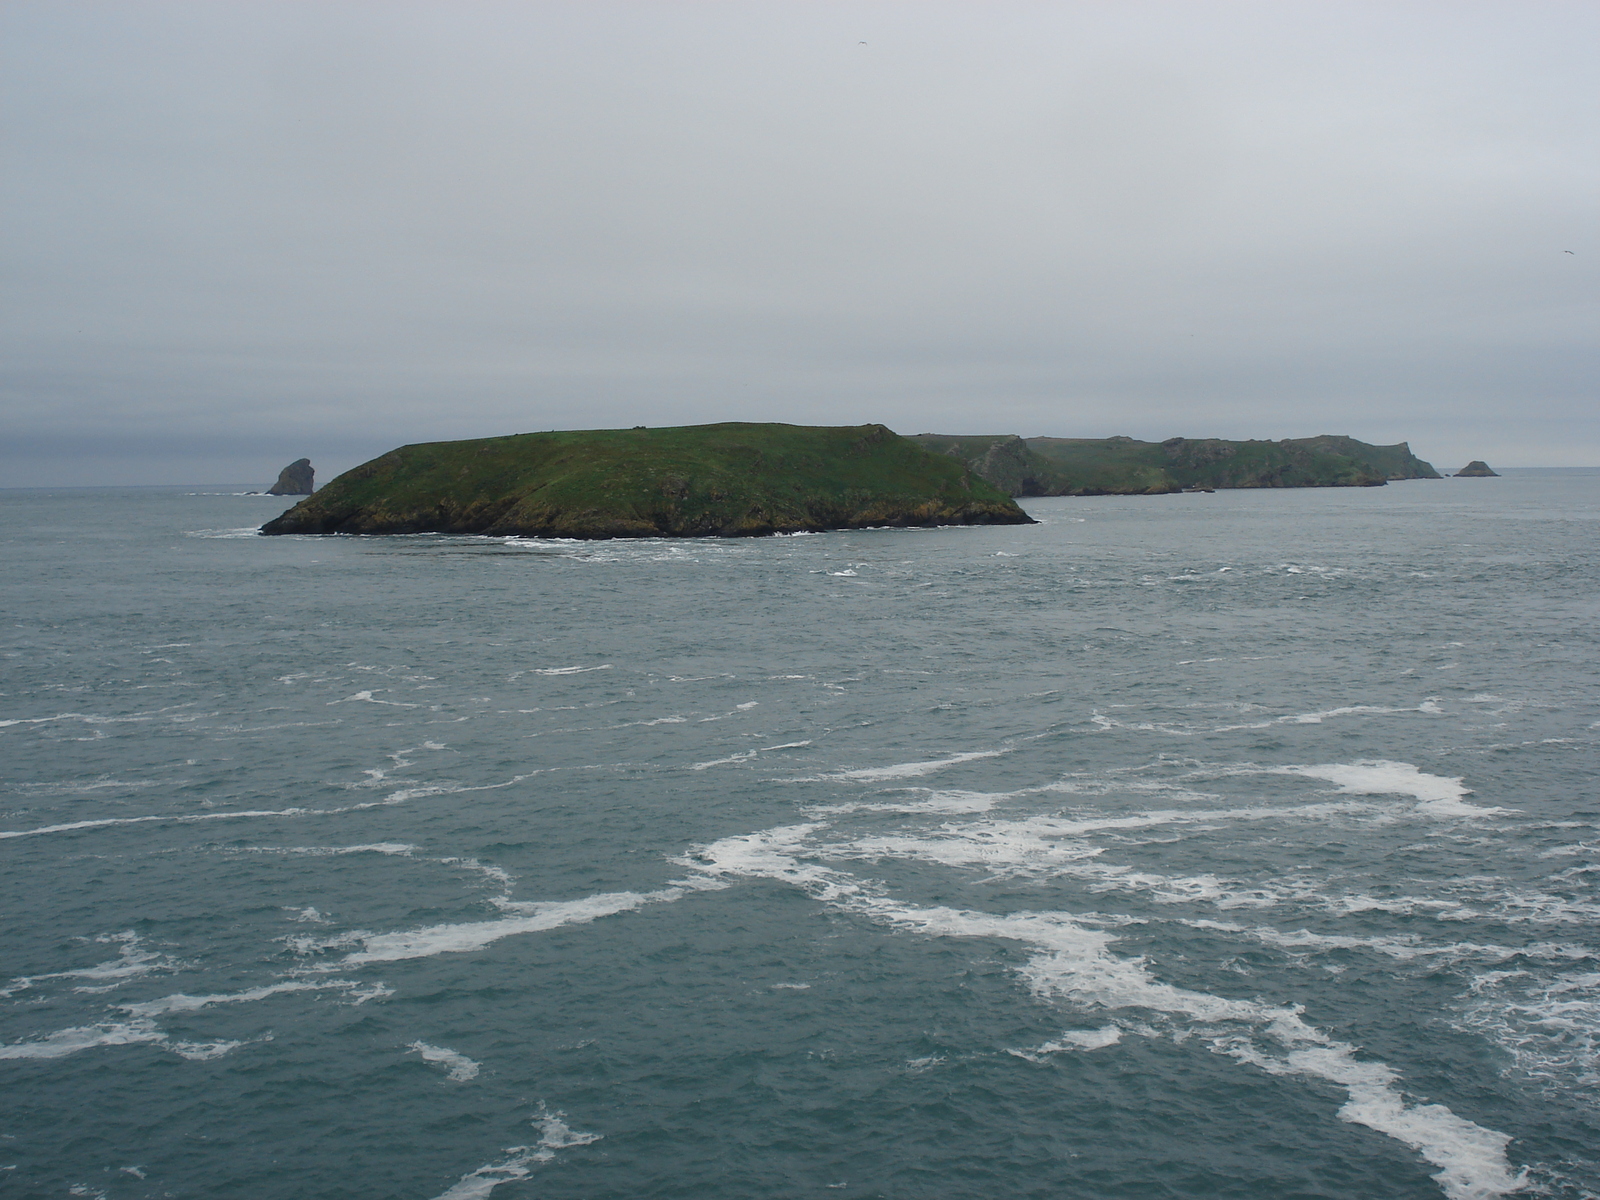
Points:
x=297, y=479
x=1046, y=466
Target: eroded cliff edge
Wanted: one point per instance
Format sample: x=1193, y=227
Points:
x=1049, y=466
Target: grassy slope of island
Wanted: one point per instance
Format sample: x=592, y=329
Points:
x=728, y=480
x=1047, y=466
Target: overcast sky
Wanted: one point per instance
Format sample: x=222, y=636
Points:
x=238, y=233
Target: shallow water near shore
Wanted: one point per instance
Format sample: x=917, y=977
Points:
x=1231, y=845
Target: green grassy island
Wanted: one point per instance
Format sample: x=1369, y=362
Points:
x=1121, y=466
x=728, y=480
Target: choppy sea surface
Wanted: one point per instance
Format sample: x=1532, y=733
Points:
x=1234, y=845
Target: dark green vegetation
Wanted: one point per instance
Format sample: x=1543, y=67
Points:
x=729, y=480
x=1046, y=466
x=1477, y=469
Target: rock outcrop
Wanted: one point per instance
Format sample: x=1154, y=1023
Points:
x=1477, y=469
x=728, y=480
x=297, y=479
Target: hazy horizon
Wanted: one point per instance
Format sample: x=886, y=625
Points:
x=238, y=235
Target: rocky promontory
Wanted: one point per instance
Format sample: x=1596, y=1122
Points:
x=1477, y=469
x=728, y=480
x=1122, y=466
x=297, y=479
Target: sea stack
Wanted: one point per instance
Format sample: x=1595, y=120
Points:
x=1477, y=469
x=297, y=479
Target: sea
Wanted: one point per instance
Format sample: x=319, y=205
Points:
x=1196, y=846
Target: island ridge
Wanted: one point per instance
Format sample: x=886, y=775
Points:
x=729, y=480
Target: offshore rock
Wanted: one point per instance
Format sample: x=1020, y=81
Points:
x=297, y=479
x=729, y=480
x=1477, y=469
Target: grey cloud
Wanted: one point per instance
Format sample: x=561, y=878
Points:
x=243, y=233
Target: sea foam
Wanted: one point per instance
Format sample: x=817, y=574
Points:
x=554, y=1134
x=1436, y=795
x=532, y=917
x=1073, y=963
x=461, y=1068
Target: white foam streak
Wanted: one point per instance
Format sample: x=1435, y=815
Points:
x=909, y=770
x=1316, y=718
x=1073, y=963
x=84, y=1037
x=1436, y=795
x=554, y=1135
x=131, y=1033
x=366, y=697
x=131, y=962
x=1074, y=1039
x=937, y=802
x=1472, y=1159
x=397, y=797
x=746, y=756
x=1549, y=1025
x=181, y=1002
x=177, y=818
x=475, y=935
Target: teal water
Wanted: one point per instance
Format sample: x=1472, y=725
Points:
x=1232, y=845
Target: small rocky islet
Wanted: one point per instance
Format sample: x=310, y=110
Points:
x=297, y=479
x=1477, y=469
x=740, y=479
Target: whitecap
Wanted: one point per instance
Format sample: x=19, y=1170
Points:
x=63, y=1042
x=368, y=698
x=535, y=917
x=132, y=961
x=1471, y=1158
x=401, y=849
x=952, y=802
x=554, y=1135
x=569, y=670
x=1073, y=1039
x=1549, y=1025
x=1072, y=963
x=182, y=1002
x=85, y=1037
x=908, y=770
x=746, y=756
x=1437, y=795
x=1348, y=710
x=461, y=1068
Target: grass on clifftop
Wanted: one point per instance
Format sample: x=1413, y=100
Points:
x=1048, y=466
x=732, y=479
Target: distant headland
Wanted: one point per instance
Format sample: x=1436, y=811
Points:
x=729, y=480
x=1122, y=466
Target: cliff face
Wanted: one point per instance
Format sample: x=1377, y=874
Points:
x=297, y=479
x=1047, y=466
x=729, y=480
